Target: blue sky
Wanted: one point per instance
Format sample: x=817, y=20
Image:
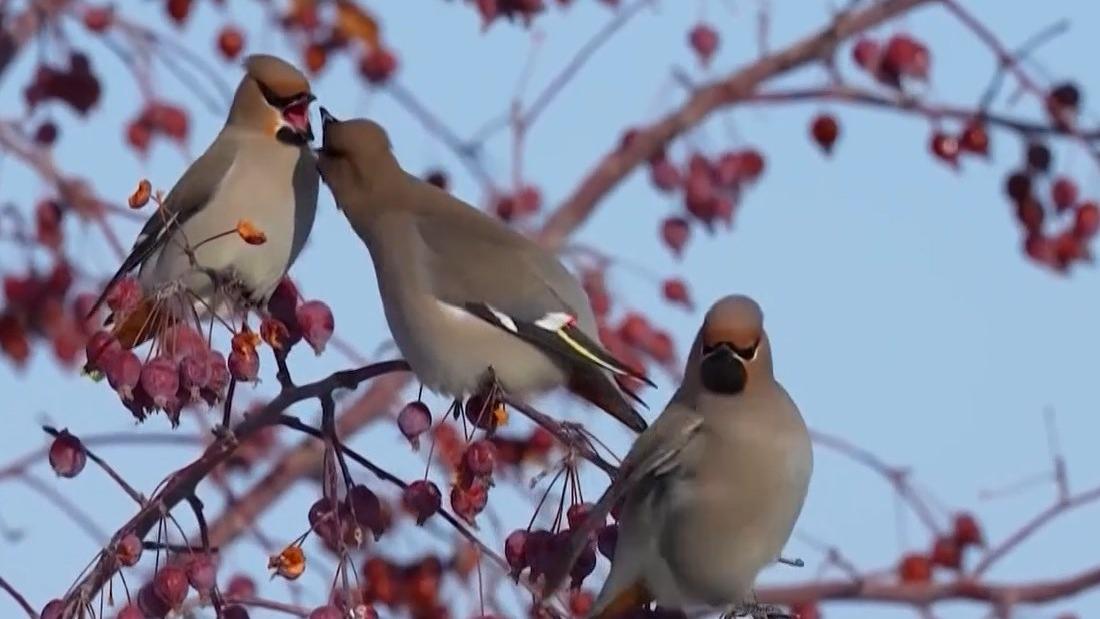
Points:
x=901, y=312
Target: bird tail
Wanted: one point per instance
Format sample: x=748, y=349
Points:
x=149, y=318
x=595, y=386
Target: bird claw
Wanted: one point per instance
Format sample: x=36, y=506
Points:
x=756, y=611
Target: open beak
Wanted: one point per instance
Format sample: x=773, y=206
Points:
x=295, y=117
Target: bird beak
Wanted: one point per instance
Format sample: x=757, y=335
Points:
x=327, y=117
x=295, y=116
x=722, y=369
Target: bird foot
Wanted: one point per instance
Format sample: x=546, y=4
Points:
x=756, y=611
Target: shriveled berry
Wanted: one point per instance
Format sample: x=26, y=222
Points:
x=202, y=573
x=675, y=291
x=538, y=551
x=67, y=456
x=160, y=379
x=275, y=333
x=915, y=568
x=485, y=413
x=1038, y=157
x=422, y=499
x=675, y=232
x=480, y=457
x=323, y=519
x=367, y=508
x=316, y=323
x=414, y=420
x=584, y=565
x=514, y=550
x=171, y=584
x=128, y=551
x=1018, y=186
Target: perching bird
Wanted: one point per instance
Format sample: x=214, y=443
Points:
x=712, y=489
x=260, y=169
x=463, y=293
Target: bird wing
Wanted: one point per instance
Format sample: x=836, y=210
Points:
x=648, y=463
x=188, y=196
x=480, y=265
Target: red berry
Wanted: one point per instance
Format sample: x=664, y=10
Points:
x=1030, y=214
x=664, y=175
x=675, y=291
x=1063, y=192
x=160, y=379
x=1062, y=103
x=378, y=65
x=704, y=40
x=124, y=296
x=234, y=612
x=1039, y=248
x=100, y=347
x=241, y=586
x=67, y=456
x=580, y=602
x=974, y=138
x=1018, y=186
x=316, y=323
x=98, y=18
x=866, y=53
x=751, y=163
x=825, y=131
x=967, y=532
x=230, y=42
x=480, y=457
x=585, y=563
x=1086, y=220
x=945, y=147
x=367, y=508
x=414, y=420
x=675, y=232
x=150, y=603
x=634, y=329
x=130, y=611
x=138, y=135
x=178, y=10
x=915, y=568
x=46, y=134
x=946, y=553
x=170, y=584
x=906, y=56
x=805, y=610
x=315, y=58
x=128, y=551
x=243, y=365
x=528, y=200
x=326, y=612
x=202, y=573
x=422, y=499
x=577, y=514
x=514, y=551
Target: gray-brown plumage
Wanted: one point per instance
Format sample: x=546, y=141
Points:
x=712, y=489
x=258, y=168
x=462, y=291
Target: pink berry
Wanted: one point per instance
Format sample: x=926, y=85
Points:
x=130, y=611
x=704, y=40
x=866, y=53
x=129, y=549
x=664, y=175
x=99, y=348
x=480, y=458
x=202, y=573
x=316, y=322
x=378, y=65
x=170, y=584
x=676, y=291
x=675, y=232
x=414, y=420
x=194, y=374
x=67, y=456
x=160, y=379
x=422, y=499
x=240, y=586
x=123, y=370
x=181, y=340
x=219, y=372
x=125, y=296
x=243, y=365
x=326, y=612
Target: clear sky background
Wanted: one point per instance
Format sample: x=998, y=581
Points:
x=902, y=314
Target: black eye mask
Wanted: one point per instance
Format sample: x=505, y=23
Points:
x=721, y=371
